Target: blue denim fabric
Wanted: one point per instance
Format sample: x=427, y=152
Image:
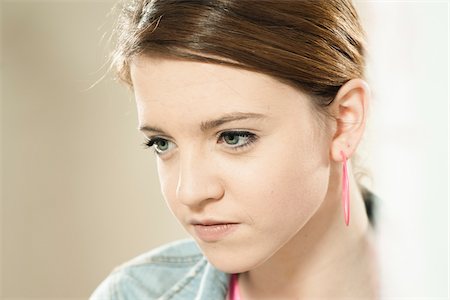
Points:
x=177, y=270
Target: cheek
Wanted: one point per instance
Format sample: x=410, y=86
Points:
x=284, y=185
x=275, y=195
x=296, y=192
x=168, y=183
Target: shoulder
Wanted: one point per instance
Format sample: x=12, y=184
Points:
x=154, y=273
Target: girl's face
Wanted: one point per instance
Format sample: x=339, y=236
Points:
x=233, y=146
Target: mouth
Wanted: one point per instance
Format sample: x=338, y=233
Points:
x=210, y=221
x=212, y=231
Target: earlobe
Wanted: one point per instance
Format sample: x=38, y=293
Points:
x=350, y=107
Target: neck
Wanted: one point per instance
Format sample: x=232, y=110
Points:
x=325, y=259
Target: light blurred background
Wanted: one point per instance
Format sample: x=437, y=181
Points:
x=79, y=195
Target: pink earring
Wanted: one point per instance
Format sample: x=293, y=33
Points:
x=345, y=189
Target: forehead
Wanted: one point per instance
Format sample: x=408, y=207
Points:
x=177, y=85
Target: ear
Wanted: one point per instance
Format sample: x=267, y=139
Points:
x=350, y=108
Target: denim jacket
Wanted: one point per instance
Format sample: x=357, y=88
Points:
x=177, y=270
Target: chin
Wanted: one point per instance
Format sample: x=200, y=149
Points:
x=230, y=261
x=231, y=266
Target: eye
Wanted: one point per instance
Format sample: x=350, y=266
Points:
x=160, y=145
x=237, y=139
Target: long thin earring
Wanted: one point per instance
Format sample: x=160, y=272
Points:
x=345, y=189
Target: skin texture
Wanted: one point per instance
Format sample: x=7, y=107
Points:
x=283, y=188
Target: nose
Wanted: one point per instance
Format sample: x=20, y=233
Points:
x=198, y=180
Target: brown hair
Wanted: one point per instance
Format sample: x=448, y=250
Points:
x=314, y=46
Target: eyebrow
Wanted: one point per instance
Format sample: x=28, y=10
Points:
x=211, y=124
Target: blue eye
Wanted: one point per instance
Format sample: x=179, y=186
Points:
x=237, y=139
x=160, y=145
x=234, y=140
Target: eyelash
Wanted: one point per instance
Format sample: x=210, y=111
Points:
x=251, y=138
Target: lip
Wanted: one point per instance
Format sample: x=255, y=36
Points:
x=208, y=222
x=213, y=231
